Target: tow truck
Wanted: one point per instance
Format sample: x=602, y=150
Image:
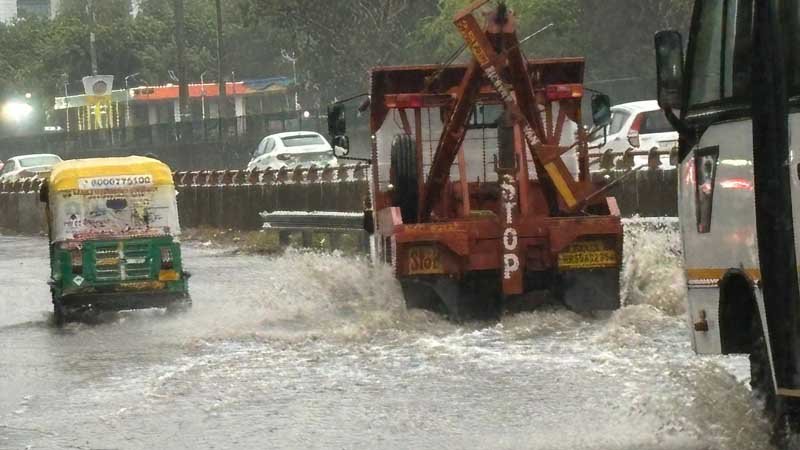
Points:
x=481, y=198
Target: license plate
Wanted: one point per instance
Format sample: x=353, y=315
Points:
x=136, y=260
x=588, y=255
x=424, y=260
x=667, y=145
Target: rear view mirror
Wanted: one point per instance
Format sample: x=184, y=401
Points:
x=669, y=69
x=601, y=110
x=337, y=124
x=341, y=146
x=337, y=130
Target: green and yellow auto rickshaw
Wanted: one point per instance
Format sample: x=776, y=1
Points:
x=113, y=227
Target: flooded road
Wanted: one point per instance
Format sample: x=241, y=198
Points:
x=317, y=351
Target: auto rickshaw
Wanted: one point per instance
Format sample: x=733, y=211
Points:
x=114, y=237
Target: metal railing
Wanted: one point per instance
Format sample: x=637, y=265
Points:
x=334, y=225
x=299, y=175
x=624, y=160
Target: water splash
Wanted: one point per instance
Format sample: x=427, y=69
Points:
x=652, y=272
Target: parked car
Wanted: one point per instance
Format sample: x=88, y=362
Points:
x=292, y=149
x=28, y=166
x=641, y=126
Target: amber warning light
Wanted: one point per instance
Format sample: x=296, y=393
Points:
x=563, y=92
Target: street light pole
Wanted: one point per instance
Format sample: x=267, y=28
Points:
x=92, y=25
x=127, y=100
x=183, y=80
x=203, y=93
x=220, y=64
x=66, y=101
x=292, y=59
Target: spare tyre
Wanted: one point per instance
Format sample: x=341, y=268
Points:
x=404, y=177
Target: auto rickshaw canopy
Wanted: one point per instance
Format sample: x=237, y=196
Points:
x=67, y=176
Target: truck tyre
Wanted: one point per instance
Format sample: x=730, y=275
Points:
x=782, y=412
x=405, y=177
x=472, y=298
x=421, y=295
x=586, y=291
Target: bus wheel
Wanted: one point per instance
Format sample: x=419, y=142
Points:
x=404, y=177
x=782, y=412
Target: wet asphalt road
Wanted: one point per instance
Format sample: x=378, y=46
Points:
x=316, y=351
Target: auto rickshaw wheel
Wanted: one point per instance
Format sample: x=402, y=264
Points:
x=180, y=305
x=59, y=312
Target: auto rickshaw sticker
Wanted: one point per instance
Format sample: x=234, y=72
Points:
x=115, y=182
x=78, y=280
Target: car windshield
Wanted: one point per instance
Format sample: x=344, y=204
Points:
x=655, y=122
x=618, y=119
x=40, y=160
x=302, y=140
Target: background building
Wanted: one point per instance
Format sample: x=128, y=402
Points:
x=47, y=8
x=158, y=105
x=8, y=10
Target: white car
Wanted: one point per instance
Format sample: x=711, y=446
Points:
x=28, y=166
x=641, y=126
x=292, y=149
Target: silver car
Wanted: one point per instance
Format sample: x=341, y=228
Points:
x=640, y=126
x=28, y=166
x=292, y=149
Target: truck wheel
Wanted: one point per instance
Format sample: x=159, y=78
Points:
x=421, y=295
x=585, y=291
x=473, y=298
x=782, y=412
x=405, y=177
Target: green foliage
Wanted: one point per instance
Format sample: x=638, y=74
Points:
x=335, y=43
x=615, y=36
x=438, y=35
x=105, y=11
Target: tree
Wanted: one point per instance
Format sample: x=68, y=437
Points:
x=615, y=36
x=337, y=44
x=105, y=11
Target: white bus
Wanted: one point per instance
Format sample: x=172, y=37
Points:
x=736, y=103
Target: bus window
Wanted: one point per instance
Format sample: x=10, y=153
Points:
x=738, y=37
x=721, y=52
x=705, y=83
x=793, y=44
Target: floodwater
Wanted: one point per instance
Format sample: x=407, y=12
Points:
x=316, y=351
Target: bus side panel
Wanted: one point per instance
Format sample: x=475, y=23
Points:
x=717, y=210
x=794, y=177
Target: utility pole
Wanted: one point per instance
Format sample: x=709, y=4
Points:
x=92, y=26
x=222, y=99
x=183, y=81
